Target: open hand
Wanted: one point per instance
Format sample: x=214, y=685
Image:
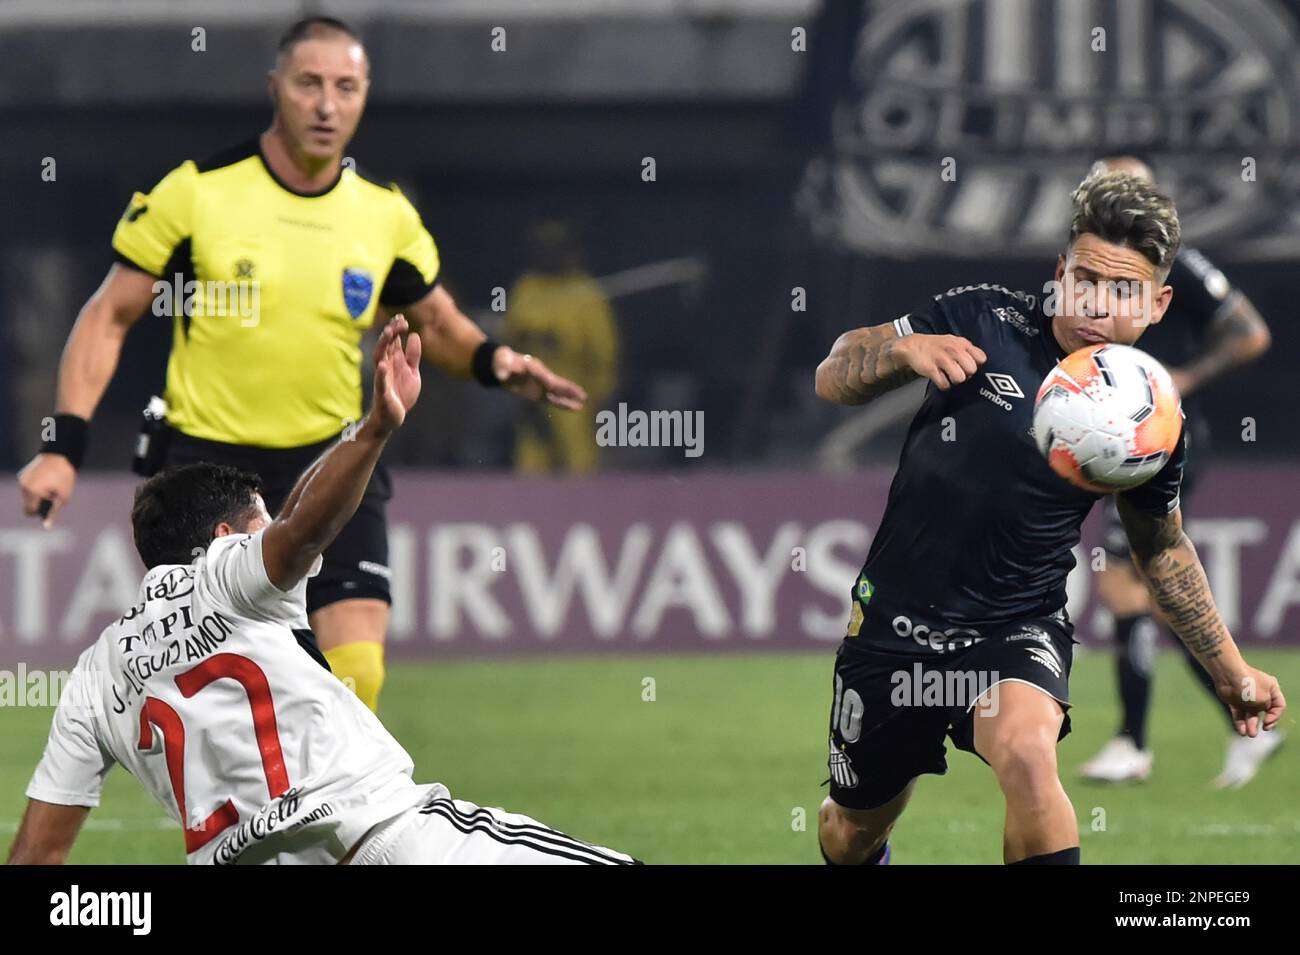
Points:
x=1255, y=699
x=529, y=378
x=397, y=374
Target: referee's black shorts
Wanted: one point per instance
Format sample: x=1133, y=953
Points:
x=356, y=564
x=893, y=708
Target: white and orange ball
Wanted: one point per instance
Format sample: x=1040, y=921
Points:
x=1107, y=417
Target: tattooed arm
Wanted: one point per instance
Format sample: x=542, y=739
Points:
x=1239, y=335
x=867, y=362
x=1167, y=561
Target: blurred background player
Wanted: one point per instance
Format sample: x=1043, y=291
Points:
x=557, y=312
x=321, y=251
x=1211, y=328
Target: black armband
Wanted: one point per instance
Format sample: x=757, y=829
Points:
x=481, y=364
x=69, y=438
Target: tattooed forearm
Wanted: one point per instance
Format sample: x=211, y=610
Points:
x=1166, y=559
x=861, y=366
x=1149, y=535
x=1181, y=590
x=870, y=368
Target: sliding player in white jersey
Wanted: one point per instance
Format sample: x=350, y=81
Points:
x=211, y=691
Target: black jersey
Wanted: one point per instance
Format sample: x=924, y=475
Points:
x=978, y=530
x=1200, y=291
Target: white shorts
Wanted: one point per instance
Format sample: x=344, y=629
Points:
x=446, y=831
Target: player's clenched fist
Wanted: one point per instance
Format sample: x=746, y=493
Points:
x=946, y=360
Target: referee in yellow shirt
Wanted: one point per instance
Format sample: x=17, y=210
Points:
x=293, y=254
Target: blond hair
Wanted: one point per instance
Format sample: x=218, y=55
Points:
x=1127, y=210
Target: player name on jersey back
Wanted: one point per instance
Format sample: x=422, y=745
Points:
x=202, y=691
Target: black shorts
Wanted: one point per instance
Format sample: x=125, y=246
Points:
x=892, y=708
x=356, y=563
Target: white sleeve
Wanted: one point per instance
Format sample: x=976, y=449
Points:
x=72, y=769
x=234, y=571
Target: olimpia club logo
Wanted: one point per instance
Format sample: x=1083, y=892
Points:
x=966, y=123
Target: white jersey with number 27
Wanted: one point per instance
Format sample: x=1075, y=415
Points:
x=203, y=692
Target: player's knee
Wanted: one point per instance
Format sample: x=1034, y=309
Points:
x=360, y=665
x=1023, y=756
x=847, y=836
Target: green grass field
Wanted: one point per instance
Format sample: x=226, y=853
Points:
x=718, y=766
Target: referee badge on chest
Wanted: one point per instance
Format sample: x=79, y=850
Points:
x=358, y=286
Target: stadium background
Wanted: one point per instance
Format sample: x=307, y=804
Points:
x=647, y=654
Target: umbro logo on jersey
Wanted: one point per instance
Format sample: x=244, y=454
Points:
x=1004, y=387
x=1004, y=384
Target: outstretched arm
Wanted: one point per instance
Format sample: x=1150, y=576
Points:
x=330, y=490
x=1167, y=561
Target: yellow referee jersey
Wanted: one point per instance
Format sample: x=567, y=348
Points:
x=270, y=291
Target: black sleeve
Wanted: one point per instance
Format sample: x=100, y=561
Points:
x=131, y=263
x=945, y=314
x=1160, y=494
x=1200, y=289
x=404, y=285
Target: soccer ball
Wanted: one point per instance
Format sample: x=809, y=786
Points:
x=1107, y=417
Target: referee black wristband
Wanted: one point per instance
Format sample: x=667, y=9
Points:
x=69, y=438
x=481, y=363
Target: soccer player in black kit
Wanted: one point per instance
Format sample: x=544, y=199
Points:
x=1211, y=329
x=964, y=584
